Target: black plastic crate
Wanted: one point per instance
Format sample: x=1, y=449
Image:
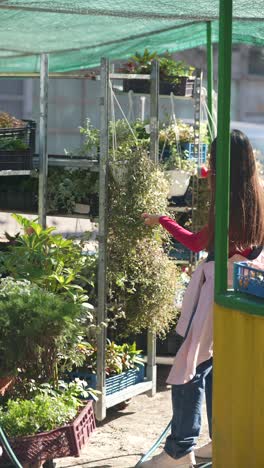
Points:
x=184, y=87
x=17, y=146
x=20, y=201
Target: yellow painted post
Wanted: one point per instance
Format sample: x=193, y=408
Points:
x=238, y=406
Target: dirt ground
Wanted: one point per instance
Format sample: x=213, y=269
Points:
x=125, y=435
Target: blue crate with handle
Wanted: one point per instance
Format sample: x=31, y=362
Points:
x=248, y=279
x=189, y=148
x=115, y=383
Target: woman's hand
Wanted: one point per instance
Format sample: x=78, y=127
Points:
x=151, y=220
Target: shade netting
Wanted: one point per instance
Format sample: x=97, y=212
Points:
x=78, y=33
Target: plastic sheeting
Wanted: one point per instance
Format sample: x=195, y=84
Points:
x=77, y=34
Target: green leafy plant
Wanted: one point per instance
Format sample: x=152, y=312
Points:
x=90, y=144
x=185, y=132
x=12, y=144
x=66, y=187
x=119, y=358
x=48, y=409
x=91, y=140
x=142, y=279
x=35, y=325
x=50, y=261
x=179, y=161
x=170, y=70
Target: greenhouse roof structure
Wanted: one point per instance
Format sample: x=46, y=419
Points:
x=77, y=34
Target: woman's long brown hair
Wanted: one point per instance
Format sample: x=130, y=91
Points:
x=246, y=225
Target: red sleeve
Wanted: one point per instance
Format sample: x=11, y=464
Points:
x=193, y=241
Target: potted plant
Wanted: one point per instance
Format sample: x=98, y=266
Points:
x=36, y=326
x=73, y=191
x=175, y=77
x=124, y=366
x=17, y=142
x=184, y=141
x=55, y=264
x=186, y=137
x=53, y=423
x=179, y=169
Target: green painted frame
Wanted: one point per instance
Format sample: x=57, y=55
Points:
x=223, y=297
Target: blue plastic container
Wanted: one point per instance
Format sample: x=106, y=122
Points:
x=189, y=147
x=248, y=279
x=115, y=383
x=179, y=252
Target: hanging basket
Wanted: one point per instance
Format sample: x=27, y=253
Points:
x=179, y=181
x=119, y=172
x=82, y=208
x=66, y=441
x=183, y=87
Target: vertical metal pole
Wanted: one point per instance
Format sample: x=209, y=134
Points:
x=223, y=146
x=154, y=111
x=197, y=153
x=43, y=131
x=154, y=155
x=151, y=362
x=102, y=280
x=210, y=74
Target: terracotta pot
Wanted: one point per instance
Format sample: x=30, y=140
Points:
x=5, y=383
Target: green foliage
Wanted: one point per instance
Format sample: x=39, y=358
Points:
x=170, y=69
x=142, y=278
x=50, y=261
x=12, y=144
x=185, y=131
x=179, y=161
x=91, y=140
x=119, y=358
x=90, y=144
x=47, y=410
x=66, y=187
x=35, y=325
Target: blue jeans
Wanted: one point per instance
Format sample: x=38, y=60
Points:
x=187, y=402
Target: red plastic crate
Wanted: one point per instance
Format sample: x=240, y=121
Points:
x=65, y=441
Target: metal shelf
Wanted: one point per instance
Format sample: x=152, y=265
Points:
x=179, y=209
x=77, y=163
x=58, y=161
x=127, y=393
x=10, y=172
x=93, y=219
x=117, y=90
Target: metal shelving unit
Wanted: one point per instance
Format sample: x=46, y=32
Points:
x=42, y=162
x=149, y=385
x=196, y=99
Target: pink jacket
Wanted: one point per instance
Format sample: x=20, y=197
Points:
x=197, y=320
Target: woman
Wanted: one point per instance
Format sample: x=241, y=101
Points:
x=191, y=373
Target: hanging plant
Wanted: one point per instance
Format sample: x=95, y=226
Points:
x=142, y=279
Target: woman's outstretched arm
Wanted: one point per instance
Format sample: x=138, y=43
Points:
x=193, y=241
